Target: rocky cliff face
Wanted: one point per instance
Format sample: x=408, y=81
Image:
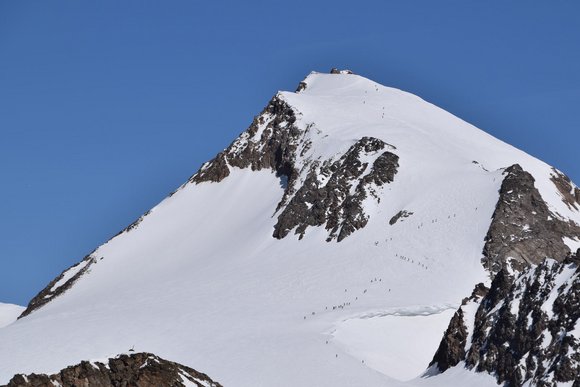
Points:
x=333, y=193
x=271, y=142
x=136, y=370
x=328, y=192
x=524, y=231
x=570, y=193
x=60, y=284
x=523, y=330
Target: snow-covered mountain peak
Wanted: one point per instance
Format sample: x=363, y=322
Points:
x=347, y=106
x=346, y=218
x=304, y=135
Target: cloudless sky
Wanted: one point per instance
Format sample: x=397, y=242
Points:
x=107, y=106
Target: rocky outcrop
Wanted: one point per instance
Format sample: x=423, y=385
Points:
x=327, y=193
x=301, y=87
x=60, y=284
x=270, y=142
x=135, y=224
x=570, y=193
x=333, y=194
x=524, y=330
x=136, y=370
x=400, y=215
x=334, y=70
x=523, y=230
x=452, y=348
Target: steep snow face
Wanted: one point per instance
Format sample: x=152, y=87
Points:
x=232, y=274
x=9, y=313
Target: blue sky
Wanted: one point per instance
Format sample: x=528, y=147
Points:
x=107, y=106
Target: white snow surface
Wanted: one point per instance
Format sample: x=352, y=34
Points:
x=67, y=275
x=201, y=281
x=404, y=332
x=9, y=313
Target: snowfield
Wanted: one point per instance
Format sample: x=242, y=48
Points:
x=202, y=282
x=392, y=342
x=9, y=313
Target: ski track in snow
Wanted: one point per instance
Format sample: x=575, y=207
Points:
x=202, y=282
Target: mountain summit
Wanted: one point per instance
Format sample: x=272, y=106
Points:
x=330, y=244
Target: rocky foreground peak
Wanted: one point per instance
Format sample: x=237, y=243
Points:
x=523, y=329
x=134, y=370
x=524, y=231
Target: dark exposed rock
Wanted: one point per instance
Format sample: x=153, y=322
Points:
x=400, y=215
x=135, y=224
x=452, y=347
x=337, y=200
x=524, y=329
x=275, y=148
x=334, y=70
x=330, y=193
x=573, y=258
x=481, y=166
x=479, y=291
x=136, y=370
x=523, y=230
x=301, y=87
x=51, y=291
x=570, y=193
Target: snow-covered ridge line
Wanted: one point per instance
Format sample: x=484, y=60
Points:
x=231, y=273
x=330, y=192
x=60, y=284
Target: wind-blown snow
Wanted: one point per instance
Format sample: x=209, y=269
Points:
x=201, y=281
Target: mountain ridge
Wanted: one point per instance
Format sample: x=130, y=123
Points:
x=292, y=223
x=522, y=329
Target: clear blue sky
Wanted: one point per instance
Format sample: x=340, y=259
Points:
x=106, y=106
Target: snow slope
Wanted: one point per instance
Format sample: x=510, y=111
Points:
x=201, y=281
x=9, y=313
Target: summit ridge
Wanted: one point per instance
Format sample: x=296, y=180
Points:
x=347, y=217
